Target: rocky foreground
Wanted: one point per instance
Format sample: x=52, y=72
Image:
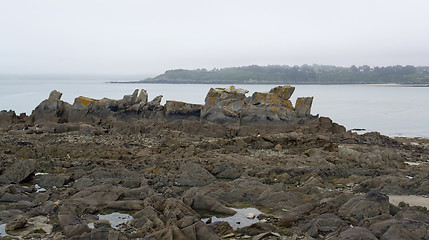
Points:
x=167, y=170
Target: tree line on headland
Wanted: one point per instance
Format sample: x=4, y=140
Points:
x=305, y=74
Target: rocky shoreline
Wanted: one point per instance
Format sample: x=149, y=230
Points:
x=136, y=169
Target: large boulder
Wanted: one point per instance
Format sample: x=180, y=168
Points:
x=19, y=171
x=52, y=109
x=7, y=118
x=193, y=175
x=270, y=109
x=90, y=110
x=273, y=107
x=197, y=200
x=278, y=96
x=303, y=106
x=357, y=233
x=181, y=110
x=367, y=206
x=325, y=224
x=79, y=111
x=223, y=105
x=267, y=117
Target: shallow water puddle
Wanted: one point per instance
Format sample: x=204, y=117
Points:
x=3, y=230
x=240, y=219
x=40, y=223
x=116, y=219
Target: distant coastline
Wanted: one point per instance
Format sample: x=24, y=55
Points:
x=274, y=83
x=297, y=75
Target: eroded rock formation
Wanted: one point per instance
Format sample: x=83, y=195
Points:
x=228, y=106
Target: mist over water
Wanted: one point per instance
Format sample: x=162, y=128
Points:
x=391, y=110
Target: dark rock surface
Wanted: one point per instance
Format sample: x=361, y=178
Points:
x=170, y=166
x=19, y=171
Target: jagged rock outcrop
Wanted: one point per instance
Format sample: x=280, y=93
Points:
x=224, y=105
x=303, y=106
x=227, y=106
x=261, y=109
x=7, y=118
x=52, y=109
x=91, y=110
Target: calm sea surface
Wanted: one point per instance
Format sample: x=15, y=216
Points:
x=389, y=109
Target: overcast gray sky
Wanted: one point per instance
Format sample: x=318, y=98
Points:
x=140, y=36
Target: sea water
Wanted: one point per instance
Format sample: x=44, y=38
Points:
x=393, y=110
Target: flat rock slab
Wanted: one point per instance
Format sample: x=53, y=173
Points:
x=412, y=200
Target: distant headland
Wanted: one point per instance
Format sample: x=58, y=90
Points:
x=305, y=74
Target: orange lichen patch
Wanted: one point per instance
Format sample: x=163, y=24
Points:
x=232, y=88
x=274, y=98
x=284, y=92
x=259, y=98
x=212, y=100
x=288, y=104
x=84, y=100
x=231, y=113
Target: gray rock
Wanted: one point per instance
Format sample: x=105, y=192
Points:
x=10, y=215
x=16, y=224
x=71, y=211
x=55, y=95
x=256, y=228
x=100, y=194
x=126, y=205
x=193, y=175
x=76, y=230
x=221, y=227
x=326, y=125
x=18, y=172
x=24, y=205
x=225, y=171
x=282, y=93
x=102, y=224
x=51, y=110
x=129, y=100
x=367, y=206
x=7, y=118
x=142, y=97
x=204, y=232
x=180, y=110
x=357, y=233
x=325, y=224
x=10, y=197
x=156, y=102
x=51, y=180
x=303, y=106
x=199, y=201
x=278, y=199
x=407, y=231
x=278, y=96
x=223, y=105
x=80, y=110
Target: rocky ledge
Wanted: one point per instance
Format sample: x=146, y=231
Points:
x=136, y=169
